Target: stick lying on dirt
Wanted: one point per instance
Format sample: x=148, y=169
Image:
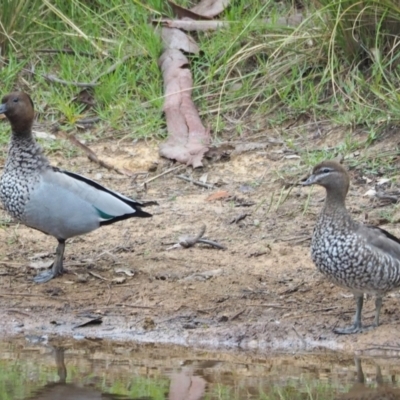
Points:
x=189, y=241
x=198, y=183
x=93, y=157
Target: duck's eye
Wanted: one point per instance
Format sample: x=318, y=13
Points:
x=325, y=170
x=16, y=100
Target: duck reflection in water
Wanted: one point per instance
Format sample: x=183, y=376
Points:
x=361, y=392
x=62, y=390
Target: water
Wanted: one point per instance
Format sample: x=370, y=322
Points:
x=89, y=370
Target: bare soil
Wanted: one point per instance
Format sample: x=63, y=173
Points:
x=262, y=292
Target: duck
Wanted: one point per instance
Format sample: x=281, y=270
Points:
x=364, y=259
x=54, y=201
x=67, y=389
x=361, y=391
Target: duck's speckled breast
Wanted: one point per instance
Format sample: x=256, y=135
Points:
x=349, y=261
x=24, y=164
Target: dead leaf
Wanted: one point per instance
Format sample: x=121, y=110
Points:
x=210, y=8
x=188, y=139
x=222, y=194
x=176, y=39
x=183, y=12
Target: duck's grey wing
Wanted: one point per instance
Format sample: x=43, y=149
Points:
x=135, y=205
x=64, y=205
x=380, y=239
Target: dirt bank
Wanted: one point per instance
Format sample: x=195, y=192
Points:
x=261, y=292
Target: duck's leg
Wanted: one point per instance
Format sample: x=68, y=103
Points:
x=57, y=267
x=357, y=326
x=378, y=306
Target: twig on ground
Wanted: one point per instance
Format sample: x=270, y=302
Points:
x=300, y=337
x=112, y=68
x=87, y=121
x=98, y=276
x=135, y=306
x=296, y=239
x=292, y=289
x=198, y=183
x=109, y=295
x=93, y=83
x=270, y=305
x=93, y=157
x=239, y=218
x=189, y=241
x=189, y=25
x=11, y=264
x=238, y=314
x=65, y=51
x=53, y=78
x=162, y=174
x=30, y=295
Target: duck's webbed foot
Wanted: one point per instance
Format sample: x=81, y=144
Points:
x=46, y=276
x=56, y=268
x=353, y=329
x=357, y=326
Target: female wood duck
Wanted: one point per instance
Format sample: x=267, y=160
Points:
x=361, y=258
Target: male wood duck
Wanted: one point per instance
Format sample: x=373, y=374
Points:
x=56, y=202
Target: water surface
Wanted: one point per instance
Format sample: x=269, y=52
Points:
x=89, y=370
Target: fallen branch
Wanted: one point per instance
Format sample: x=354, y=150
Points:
x=239, y=218
x=189, y=241
x=112, y=68
x=65, y=51
x=93, y=157
x=162, y=174
x=88, y=121
x=270, y=305
x=97, y=276
x=198, y=183
x=53, y=78
x=190, y=25
x=93, y=83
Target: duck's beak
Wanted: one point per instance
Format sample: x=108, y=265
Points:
x=3, y=108
x=308, y=181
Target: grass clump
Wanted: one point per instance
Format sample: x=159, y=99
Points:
x=339, y=64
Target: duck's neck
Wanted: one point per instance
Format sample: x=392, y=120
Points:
x=24, y=151
x=335, y=203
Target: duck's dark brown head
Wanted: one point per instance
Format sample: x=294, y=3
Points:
x=18, y=108
x=332, y=176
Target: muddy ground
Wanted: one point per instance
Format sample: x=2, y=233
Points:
x=261, y=292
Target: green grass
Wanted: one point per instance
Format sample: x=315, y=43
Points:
x=340, y=65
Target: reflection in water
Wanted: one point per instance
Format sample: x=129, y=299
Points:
x=186, y=386
x=62, y=390
x=361, y=392
x=90, y=370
